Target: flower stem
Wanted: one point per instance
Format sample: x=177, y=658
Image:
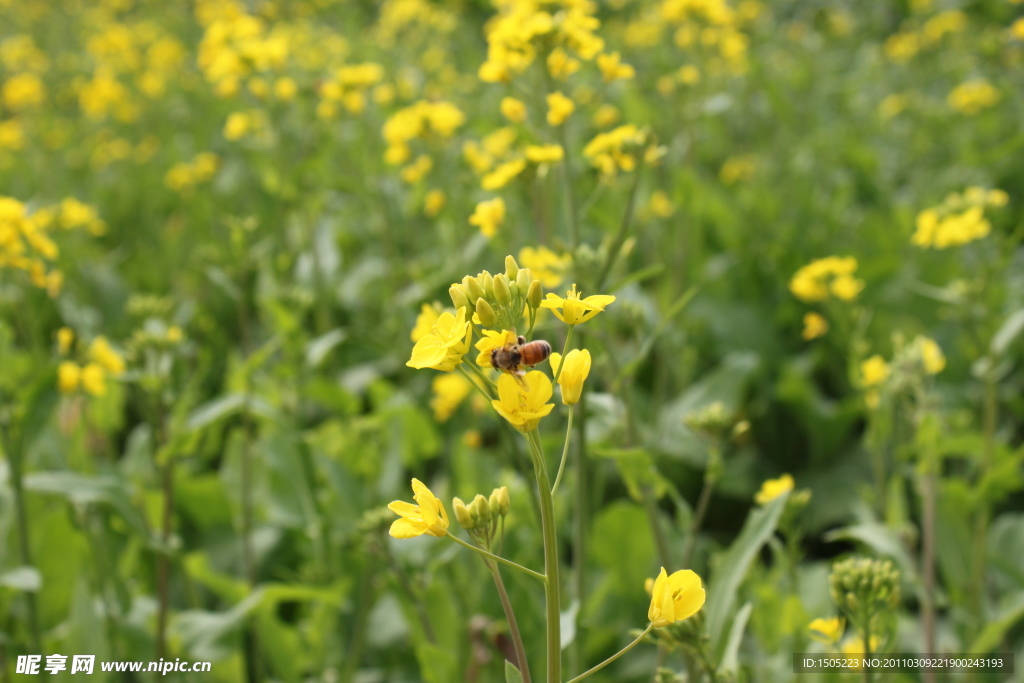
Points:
x=565, y=454
x=510, y=563
x=510, y=617
x=565, y=350
x=551, y=584
x=480, y=374
x=476, y=386
x=614, y=656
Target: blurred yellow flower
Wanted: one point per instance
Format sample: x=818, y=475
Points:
x=608, y=151
x=433, y=202
x=524, y=406
x=577, y=368
x=417, y=170
x=874, y=371
x=488, y=216
x=445, y=345
x=660, y=205
x=425, y=321
x=512, y=109
x=971, y=97
x=546, y=265
x=773, y=488
x=606, y=115
x=503, y=174
x=828, y=631
x=737, y=168
x=238, y=124
x=65, y=337
x=612, y=68
x=811, y=283
x=94, y=379
x=69, y=374
x=689, y=74
x=573, y=310
x=560, y=108
x=931, y=355
x=815, y=326
x=544, y=154
x=22, y=91
x=285, y=88
x=675, y=597
x=427, y=517
x=101, y=352
x=449, y=390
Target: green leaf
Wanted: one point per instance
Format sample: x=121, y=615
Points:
x=22, y=579
x=730, y=657
x=1008, y=332
x=318, y=348
x=225, y=406
x=436, y=665
x=621, y=543
x=1010, y=612
x=512, y=674
x=567, y=620
x=81, y=489
x=759, y=527
x=40, y=404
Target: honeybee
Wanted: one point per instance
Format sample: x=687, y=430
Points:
x=511, y=358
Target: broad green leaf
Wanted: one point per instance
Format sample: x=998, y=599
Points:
x=436, y=665
x=512, y=674
x=82, y=489
x=225, y=406
x=723, y=587
x=40, y=403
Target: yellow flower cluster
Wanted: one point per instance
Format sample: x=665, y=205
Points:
x=26, y=240
x=903, y=46
x=615, y=150
x=711, y=27
x=737, y=168
x=514, y=35
x=832, y=275
x=546, y=265
x=347, y=87
x=970, y=97
x=420, y=120
x=958, y=220
x=91, y=376
x=488, y=216
x=184, y=176
x=773, y=488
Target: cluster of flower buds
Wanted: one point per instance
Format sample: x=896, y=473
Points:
x=864, y=587
x=482, y=513
x=714, y=421
x=499, y=301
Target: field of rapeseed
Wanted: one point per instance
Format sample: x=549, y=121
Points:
x=431, y=341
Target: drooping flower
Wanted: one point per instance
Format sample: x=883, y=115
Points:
x=573, y=310
x=572, y=376
x=428, y=517
x=675, y=598
x=446, y=344
x=524, y=406
x=773, y=488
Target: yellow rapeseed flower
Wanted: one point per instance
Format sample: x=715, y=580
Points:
x=612, y=68
x=445, y=345
x=449, y=390
x=675, y=597
x=503, y=174
x=544, y=154
x=492, y=339
x=524, y=406
x=512, y=109
x=101, y=352
x=828, y=631
x=874, y=371
x=931, y=355
x=546, y=265
x=815, y=326
x=69, y=374
x=573, y=310
x=94, y=379
x=571, y=378
x=814, y=281
x=433, y=202
x=488, y=216
x=971, y=97
x=425, y=321
x=560, y=108
x=428, y=517
x=65, y=337
x=773, y=488
x=238, y=124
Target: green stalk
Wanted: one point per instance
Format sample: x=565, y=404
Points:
x=551, y=585
x=565, y=453
x=24, y=546
x=513, y=626
x=499, y=558
x=614, y=656
x=565, y=350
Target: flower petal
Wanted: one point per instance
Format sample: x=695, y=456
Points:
x=404, y=528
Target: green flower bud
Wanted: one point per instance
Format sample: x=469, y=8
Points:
x=481, y=510
x=523, y=278
x=535, y=294
x=502, y=293
x=504, y=503
x=852, y=603
x=511, y=268
x=472, y=287
x=487, y=282
x=494, y=503
x=488, y=318
x=459, y=298
x=462, y=514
